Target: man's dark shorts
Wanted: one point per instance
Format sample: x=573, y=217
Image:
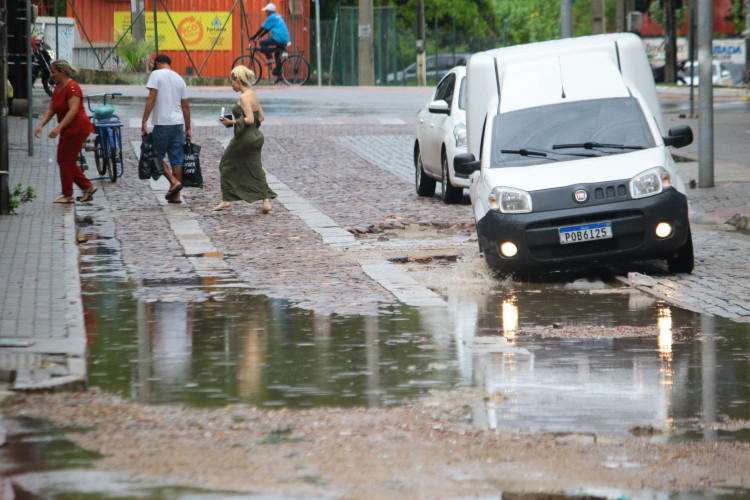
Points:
x=169, y=139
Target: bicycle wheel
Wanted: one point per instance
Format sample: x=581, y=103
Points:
x=100, y=156
x=295, y=70
x=118, y=140
x=252, y=63
x=112, y=154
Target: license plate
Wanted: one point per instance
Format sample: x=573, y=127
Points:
x=586, y=232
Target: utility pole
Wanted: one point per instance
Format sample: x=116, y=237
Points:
x=566, y=18
x=4, y=158
x=421, y=57
x=670, y=42
x=366, y=74
x=137, y=21
x=623, y=8
x=705, y=94
x=598, y=20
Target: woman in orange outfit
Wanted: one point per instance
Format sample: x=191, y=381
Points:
x=73, y=127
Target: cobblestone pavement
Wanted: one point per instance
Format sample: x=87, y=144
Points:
x=360, y=177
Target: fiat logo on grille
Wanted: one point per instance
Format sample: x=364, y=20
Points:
x=581, y=196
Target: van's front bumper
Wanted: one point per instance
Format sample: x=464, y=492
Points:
x=633, y=227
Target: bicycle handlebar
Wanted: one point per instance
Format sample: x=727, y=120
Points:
x=103, y=95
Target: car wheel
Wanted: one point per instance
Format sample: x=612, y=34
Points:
x=682, y=260
x=425, y=185
x=451, y=194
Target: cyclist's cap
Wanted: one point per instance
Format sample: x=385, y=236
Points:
x=270, y=7
x=163, y=59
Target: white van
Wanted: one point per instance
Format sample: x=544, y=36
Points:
x=567, y=161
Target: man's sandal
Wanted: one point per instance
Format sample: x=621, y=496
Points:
x=64, y=199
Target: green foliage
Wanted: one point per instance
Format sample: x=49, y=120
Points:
x=134, y=53
x=530, y=20
x=656, y=12
x=19, y=195
x=738, y=16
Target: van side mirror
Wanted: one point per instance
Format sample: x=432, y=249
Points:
x=440, y=107
x=679, y=136
x=465, y=164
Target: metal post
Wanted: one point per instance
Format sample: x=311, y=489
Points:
x=156, y=33
x=691, y=57
x=29, y=100
x=566, y=19
x=4, y=158
x=705, y=95
x=57, y=33
x=317, y=42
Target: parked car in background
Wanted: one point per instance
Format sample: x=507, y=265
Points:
x=720, y=75
x=436, y=67
x=440, y=135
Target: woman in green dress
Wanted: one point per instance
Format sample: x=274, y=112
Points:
x=242, y=175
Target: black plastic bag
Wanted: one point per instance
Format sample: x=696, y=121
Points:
x=191, y=166
x=149, y=165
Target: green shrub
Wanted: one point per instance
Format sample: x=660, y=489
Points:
x=135, y=54
x=19, y=195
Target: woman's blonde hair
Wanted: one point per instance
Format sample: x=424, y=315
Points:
x=64, y=66
x=243, y=74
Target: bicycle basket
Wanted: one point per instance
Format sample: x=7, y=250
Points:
x=104, y=111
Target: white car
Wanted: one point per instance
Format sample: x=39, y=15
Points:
x=719, y=74
x=440, y=135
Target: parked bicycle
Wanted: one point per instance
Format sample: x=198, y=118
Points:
x=107, y=145
x=295, y=70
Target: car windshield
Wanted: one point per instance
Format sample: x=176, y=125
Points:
x=569, y=131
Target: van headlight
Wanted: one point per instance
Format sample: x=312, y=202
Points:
x=650, y=182
x=459, y=134
x=510, y=201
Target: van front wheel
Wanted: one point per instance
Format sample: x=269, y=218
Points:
x=682, y=260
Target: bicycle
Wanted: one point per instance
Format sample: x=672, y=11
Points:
x=107, y=145
x=295, y=70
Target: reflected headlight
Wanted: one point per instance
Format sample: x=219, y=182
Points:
x=459, y=134
x=51, y=54
x=650, y=182
x=510, y=200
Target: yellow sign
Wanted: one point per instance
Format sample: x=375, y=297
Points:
x=198, y=30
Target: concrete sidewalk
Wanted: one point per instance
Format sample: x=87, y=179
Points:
x=42, y=333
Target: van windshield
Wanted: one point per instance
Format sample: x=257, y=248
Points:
x=569, y=131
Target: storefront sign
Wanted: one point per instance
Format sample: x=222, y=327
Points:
x=198, y=30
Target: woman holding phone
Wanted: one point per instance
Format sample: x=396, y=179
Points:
x=241, y=171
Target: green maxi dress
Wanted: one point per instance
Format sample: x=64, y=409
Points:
x=242, y=175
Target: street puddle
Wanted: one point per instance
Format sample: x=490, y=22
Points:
x=576, y=354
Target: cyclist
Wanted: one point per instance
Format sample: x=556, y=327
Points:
x=278, y=39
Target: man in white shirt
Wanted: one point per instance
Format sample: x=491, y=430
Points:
x=168, y=99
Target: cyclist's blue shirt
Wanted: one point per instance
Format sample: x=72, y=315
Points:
x=276, y=25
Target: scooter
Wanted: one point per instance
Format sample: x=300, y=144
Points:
x=41, y=58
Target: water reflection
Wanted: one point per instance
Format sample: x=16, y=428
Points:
x=535, y=348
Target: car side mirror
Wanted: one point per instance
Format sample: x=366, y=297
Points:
x=679, y=136
x=440, y=107
x=465, y=164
